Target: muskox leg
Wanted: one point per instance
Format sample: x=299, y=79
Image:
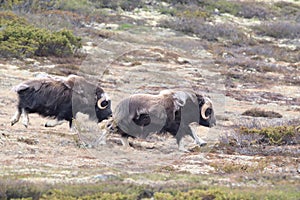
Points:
x=16, y=117
x=198, y=140
x=25, y=118
x=181, y=146
x=53, y=123
x=187, y=131
x=124, y=141
x=182, y=131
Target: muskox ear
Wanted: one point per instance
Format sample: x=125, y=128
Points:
x=200, y=99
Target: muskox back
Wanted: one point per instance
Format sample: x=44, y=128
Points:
x=61, y=99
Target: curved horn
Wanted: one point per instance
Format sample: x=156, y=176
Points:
x=100, y=101
x=205, y=106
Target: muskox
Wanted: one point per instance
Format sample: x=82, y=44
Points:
x=170, y=111
x=61, y=99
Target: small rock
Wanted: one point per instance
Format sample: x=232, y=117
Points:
x=182, y=61
x=105, y=177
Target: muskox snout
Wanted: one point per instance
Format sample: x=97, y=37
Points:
x=212, y=124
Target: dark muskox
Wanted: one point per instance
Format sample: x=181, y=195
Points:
x=61, y=99
x=170, y=111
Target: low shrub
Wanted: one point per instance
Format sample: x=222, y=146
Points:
x=278, y=135
x=271, y=51
x=255, y=112
x=287, y=10
x=278, y=29
x=78, y=6
x=123, y=4
x=211, y=32
x=254, y=10
x=20, y=39
x=239, y=8
x=226, y=193
x=27, y=6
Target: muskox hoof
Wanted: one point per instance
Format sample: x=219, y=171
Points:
x=12, y=123
x=203, y=144
x=25, y=123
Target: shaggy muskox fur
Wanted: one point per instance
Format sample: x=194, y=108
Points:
x=61, y=99
x=170, y=111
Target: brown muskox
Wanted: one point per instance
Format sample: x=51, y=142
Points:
x=61, y=99
x=170, y=111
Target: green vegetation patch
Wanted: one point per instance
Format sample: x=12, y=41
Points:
x=277, y=135
x=226, y=194
x=20, y=39
x=13, y=189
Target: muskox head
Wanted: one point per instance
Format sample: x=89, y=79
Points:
x=103, y=105
x=207, y=116
x=89, y=98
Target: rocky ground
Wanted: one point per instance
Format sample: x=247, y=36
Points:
x=147, y=59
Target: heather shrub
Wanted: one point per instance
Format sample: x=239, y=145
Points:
x=127, y=5
x=211, y=32
x=27, y=6
x=287, y=10
x=279, y=29
x=79, y=6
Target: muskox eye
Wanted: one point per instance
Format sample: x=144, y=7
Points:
x=104, y=104
x=208, y=112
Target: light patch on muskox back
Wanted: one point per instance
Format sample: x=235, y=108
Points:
x=182, y=96
x=208, y=100
x=165, y=92
x=20, y=87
